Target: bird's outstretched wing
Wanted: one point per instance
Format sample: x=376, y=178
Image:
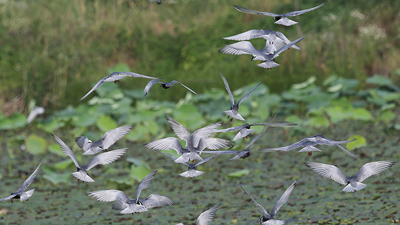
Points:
x=28, y=181
x=296, y=13
x=149, y=85
x=372, y=168
x=111, y=136
x=105, y=158
x=247, y=95
x=67, y=151
x=260, y=207
x=251, y=11
x=328, y=171
x=284, y=198
x=109, y=195
x=206, y=217
x=155, y=200
x=145, y=183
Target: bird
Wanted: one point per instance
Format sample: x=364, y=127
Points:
x=206, y=217
x=192, y=167
x=115, y=77
x=164, y=85
x=192, y=140
x=274, y=38
x=34, y=113
x=281, y=19
x=108, y=139
x=268, y=218
x=309, y=143
x=233, y=112
x=20, y=194
x=244, y=130
x=243, y=153
x=137, y=205
x=352, y=183
x=266, y=55
x=103, y=159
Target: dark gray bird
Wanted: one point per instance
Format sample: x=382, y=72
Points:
x=109, y=138
x=268, y=218
x=352, y=183
x=309, y=143
x=20, y=194
x=115, y=77
x=233, y=112
x=206, y=217
x=103, y=159
x=136, y=205
x=281, y=19
x=164, y=85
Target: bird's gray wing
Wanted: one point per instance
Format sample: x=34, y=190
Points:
x=328, y=171
x=227, y=88
x=247, y=95
x=250, y=35
x=111, y=136
x=95, y=87
x=206, y=217
x=347, y=152
x=7, y=198
x=149, y=85
x=243, y=133
x=185, y=87
x=132, y=74
x=179, y=130
x=260, y=207
x=284, y=41
x=28, y=181
x=296, y=13
x=67, y=151
x=261, y=133
x=231, y=129
x=216, y=143
x=372, y=168
x=80, y=141
x=105, y=158
x=145, y=183
x=284, y=198
x=155, y=200
x=250, y=11
x=205, y=160
x=286, y=148
x=240, y=48
x=286, y=47
x=166, y=144
x=109, y=195
x=276, y=124
x=221, y=152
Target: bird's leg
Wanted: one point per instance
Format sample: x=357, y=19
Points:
x=309, y=153
x=228, y=117
x=231, y=119
x=192, y=160
x=11, y=201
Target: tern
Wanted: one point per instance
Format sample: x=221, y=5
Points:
x=164, y=85
x=206, y=217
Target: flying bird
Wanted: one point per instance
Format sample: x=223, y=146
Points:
x=20, y=194
x=352, y=183
x=309, y=143
x=136, y=205
x=268, y=218
x=206, y=217
x=115, y=77
x=164, y=85
x=281, y=19
x=109, y=138
x=266, y=55
x=103, y=159
x=233, y=112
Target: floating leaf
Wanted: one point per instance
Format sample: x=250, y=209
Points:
x=319, y=121
x=57, y=178
x=35, y=144
x=139, y=172
x=362, y=114
x=63, y=164
x=106, y=123
x=357, y=143
x=238, y=173
x=51, y=125
x=13, y=122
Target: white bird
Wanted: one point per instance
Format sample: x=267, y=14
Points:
x=206, y=217
x=34, y=113
x=20, y=194
x=268, y=218
x=109, y=138
x=233, y=112
x=245, y=47
x=281, y=19
x=309, y=143
x=352, y=183
x=274, y=38
x=115, y=77
x=164, y=85
x=103, y=159
x=136, y=205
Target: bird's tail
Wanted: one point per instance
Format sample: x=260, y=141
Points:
x=82, y=175
x=26, y=195
x=310, y=149
x=350, y=188
x=191, y=173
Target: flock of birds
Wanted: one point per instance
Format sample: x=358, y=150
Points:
x=201, y=139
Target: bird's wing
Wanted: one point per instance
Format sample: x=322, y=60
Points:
x=216, y=143
x=109, y=195
x=284, y=198
x=173, y=158
x=206, y=217
x=227, y=88
x=131, y=74
x=155, y=200
x=250, y=11
x=231, y=129
x=7, y=198
x=185, y=87
x=205, y=160
x=80, y=141
x=166, y=144
x=247, y=95
x=260, y=207
x=347, y=152
x=328, y=171
x=67, y=151
x=284, y=41
x=286, y=47
x=179, y=130
x=240, y=48
x=149, y=85
x=372, y=168
x=111, y=136
x=249, y=35
x=296, y=13
x=95, y=87
x=28, y=181
x=145, y=183
x=286, y=148
x=244, y=132
x=105, y=158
